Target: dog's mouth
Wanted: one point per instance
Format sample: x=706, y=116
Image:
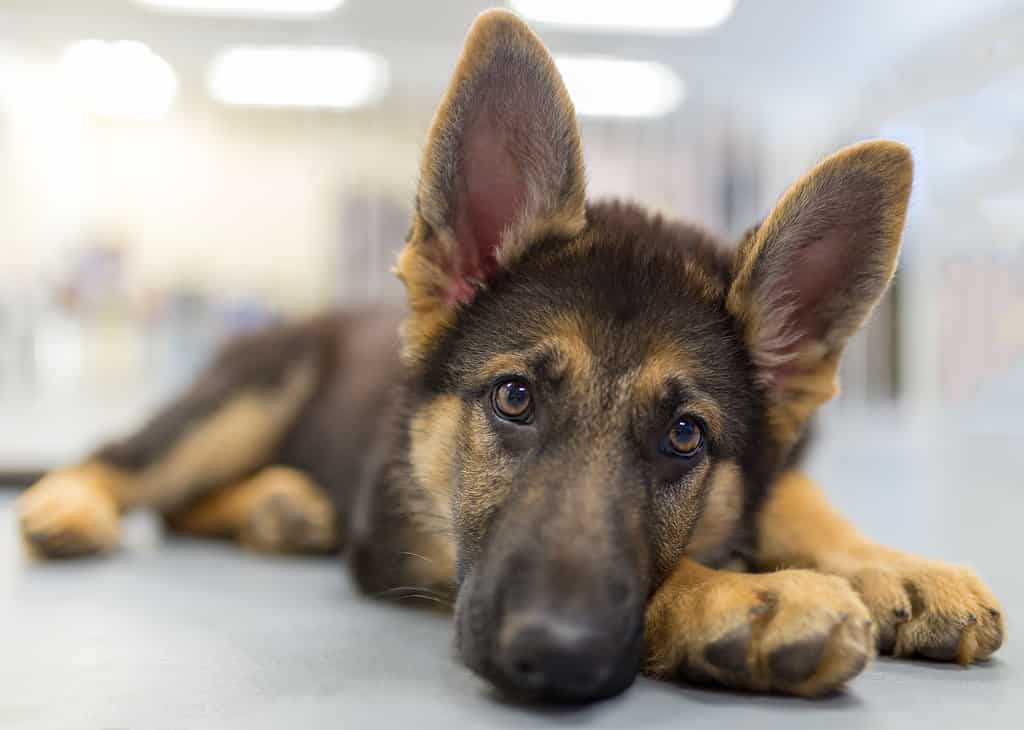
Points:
x=533, y=654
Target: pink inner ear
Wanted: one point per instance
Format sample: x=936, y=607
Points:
x=813, y=273
x=817, y=272
x=493, y=194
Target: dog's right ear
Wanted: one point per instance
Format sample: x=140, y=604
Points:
x=502, y=170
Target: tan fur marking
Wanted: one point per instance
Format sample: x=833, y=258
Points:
x=573, y=356
x=805, y=393
x=664, y=366
x=75, y=511
x=434, y=435
x=234, y=440
x=485, y=475
x=570, y=357
x=793, y=631
x=723, y=508
x=920, y=606
x=72, y=511
x=433, y=563
x=425, y=286
x=278, y=510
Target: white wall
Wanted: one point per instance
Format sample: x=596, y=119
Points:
x=234, y=203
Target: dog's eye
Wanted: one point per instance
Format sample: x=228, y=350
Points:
x=512, y=401
x=684, y=438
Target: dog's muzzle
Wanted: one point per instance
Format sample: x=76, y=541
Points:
x=549, y=633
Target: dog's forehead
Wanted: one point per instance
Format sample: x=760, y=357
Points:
x=583, y=348
x=633, y=305
x=625, y=294
x=641, y=331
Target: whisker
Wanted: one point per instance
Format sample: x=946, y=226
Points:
x=420, y=589
x=435, y=599
x=416, y=555
x=417, y=592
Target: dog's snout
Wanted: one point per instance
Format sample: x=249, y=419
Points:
x=565, y=635
x=552, y=620
x=555, y=657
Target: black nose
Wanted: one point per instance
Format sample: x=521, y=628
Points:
x=556, y=658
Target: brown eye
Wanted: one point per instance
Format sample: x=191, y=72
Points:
x=512, y=401
x=685, y=439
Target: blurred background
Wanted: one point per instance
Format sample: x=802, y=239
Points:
x=175, y=171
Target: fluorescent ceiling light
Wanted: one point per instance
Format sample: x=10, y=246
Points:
x=610, y=87
x=268, y=8
x=649, y=16
x=315, y=77
x=118, y=80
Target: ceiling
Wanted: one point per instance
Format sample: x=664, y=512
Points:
x=768, y=50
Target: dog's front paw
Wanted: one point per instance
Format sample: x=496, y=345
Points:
x=68, y=514
x=930, y=609
x=794, y=631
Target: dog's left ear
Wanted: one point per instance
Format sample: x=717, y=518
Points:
x=810, y=274
x=502, y=169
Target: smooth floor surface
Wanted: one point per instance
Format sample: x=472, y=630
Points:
x=188, y=635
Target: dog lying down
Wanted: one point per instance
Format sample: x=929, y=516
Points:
x=586, y=434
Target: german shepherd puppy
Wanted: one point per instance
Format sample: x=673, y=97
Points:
x=589, y=421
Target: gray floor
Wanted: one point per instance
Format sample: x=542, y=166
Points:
x=182, y=635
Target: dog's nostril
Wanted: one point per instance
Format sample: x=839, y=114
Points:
x=526, y=674
x=556, y=658
x=525, y=669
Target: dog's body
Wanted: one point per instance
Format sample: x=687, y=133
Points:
x=589, y=415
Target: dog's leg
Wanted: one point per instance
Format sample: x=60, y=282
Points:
x=793, y=631
x=921, y=607
x=224, y=428
x=277, y=510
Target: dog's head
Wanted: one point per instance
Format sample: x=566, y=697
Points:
x=599, y=390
